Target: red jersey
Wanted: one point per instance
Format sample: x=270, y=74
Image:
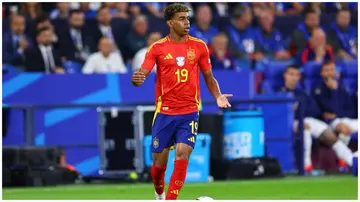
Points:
x=177, y=75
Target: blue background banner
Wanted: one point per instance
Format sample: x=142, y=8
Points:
x=79, y=126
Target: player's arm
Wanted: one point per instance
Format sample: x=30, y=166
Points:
x=211, y=82
x=139, y=76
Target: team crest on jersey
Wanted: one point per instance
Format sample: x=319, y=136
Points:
x=180, y=61
x=155, y=143
x=191, y=55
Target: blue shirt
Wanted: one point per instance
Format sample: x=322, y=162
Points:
x=334, y=101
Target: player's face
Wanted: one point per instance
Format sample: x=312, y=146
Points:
x=180, y=23
x=312, y=20
x=328, y=70
x=292, y=77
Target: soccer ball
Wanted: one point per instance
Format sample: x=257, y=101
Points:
x=204, y=198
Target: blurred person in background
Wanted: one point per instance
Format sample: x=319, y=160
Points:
x=220, y=56
x=312, y=126
x=269, y=42
x=122, y=10
x=106, y=60
x=88, y=12
x=343, y=37
x=302, y=33
x=61, y=12
x=31, y=10
x=44, y=21
x=335, y=103
x=203, y=28
x=241, y=35
x=43, y=57
x=111, y=6
x=286, y=8
x=317, y=50
x=156, y=9
x=140, y=55
x=104, y=28
x=136, y=39
x=76, y=44
x=135, y=10
x=15, y=42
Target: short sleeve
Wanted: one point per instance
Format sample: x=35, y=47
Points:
x=150, y=59
x=204, y=61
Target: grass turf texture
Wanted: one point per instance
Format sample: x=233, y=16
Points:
x=327, y=187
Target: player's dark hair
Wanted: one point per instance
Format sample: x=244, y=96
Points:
x=101, y=8
x=239, y=11
x=345, y=9
x=41, y=30
x=292, y=66
x=172, y=9
x=327, y=62
x=42, y=18
x=308, y=11
x=75, y=11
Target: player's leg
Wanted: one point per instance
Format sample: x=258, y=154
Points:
x=343, y=129
x=307, y=145
x=324, y=133
x=162, y=138
x=185, y=141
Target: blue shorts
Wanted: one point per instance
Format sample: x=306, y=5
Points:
x=169, y=130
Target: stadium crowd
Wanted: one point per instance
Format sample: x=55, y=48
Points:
x=318, y=39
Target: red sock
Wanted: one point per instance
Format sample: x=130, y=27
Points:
x=158, y=175
x=177, y=179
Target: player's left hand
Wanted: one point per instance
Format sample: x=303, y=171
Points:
x=223, y=102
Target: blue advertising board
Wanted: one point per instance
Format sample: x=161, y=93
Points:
x=243, y=134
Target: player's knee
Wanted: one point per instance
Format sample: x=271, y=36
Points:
x=182, y=156
x=329, y=137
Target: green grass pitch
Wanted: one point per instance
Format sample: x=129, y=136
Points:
x=327, y=187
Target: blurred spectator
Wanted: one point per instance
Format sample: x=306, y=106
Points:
x=135, y=9
x=43, y=57
x=88, y=12
x=104, y=28
x=222, y=9
x=156, y=9
x=122, y=10
x=75, y=44
x=335, y=103
x=286, y=8
x=302, y=34
x=15, y=42
x=240, y=34
x=269, y=42
x=93, y=5
x=220, y=56
x=61, y=12
x=343, y=37
x=203, y=29
x=111, y=6
x=316, y=49
x=257, y=8
x=136, y=38
x=31, y=10
x=333, y=7
x=106, y=60
x=140, y=55
x=44, y=21
x=312, y=126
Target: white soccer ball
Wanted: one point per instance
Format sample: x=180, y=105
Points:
x=204, y=198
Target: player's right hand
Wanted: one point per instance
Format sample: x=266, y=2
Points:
x=138, y=78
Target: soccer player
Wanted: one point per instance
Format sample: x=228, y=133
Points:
x=179, y=59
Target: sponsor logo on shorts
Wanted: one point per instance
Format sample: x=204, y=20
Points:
x=192, y=139
x=155, y=143
x=179, y=183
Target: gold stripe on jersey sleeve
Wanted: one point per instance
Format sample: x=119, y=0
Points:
x=157, y=42
x=158, y=108
x=200, y=41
